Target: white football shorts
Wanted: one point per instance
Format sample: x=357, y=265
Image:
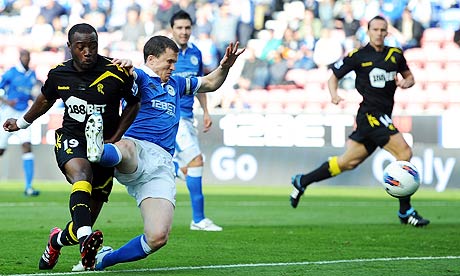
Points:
x=154, y=176
x=187, y=144
x=23, y=135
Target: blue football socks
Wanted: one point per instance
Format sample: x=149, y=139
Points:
x=111, y=156
x=134, y=250
x=28, y=164
x=194, y=185
x=408, y=213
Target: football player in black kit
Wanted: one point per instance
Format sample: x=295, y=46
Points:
x=377, y=67
x=86, y=83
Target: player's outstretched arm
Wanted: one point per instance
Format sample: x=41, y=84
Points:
x=40, y=106
x=216, y=78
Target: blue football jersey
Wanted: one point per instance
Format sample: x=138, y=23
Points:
x=158, y=117
x=18, y=84
x=189, y=64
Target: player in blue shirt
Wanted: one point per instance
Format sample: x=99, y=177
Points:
x=143, y=158
x=18, y=83
x=188, y=158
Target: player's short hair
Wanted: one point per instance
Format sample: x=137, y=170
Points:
x=377, y=17
x=181, y=14
x=82, y=28
x=157, y=45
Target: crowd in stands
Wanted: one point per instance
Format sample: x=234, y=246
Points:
x=286, y=40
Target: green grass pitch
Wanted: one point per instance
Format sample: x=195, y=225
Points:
x=334, y=231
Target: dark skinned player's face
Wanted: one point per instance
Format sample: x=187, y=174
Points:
x=83, y=48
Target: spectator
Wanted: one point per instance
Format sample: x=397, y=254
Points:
x=51, y=9
x=349, y=25
x=272, y=43
x=277, y=69
x=151, y=23
x=392, y=9
x=457, y=37
x=304, y=58
x=224, y=28
x=325, y=13
x=98, y=19
x=116, y=16
x=203, y=23
x=310, y=26
x=76, y=11
x=421, y=11
x=245, y=22
x=41, y=34
x=28, y=13
x=409, y=31
x=209, y=52
x=189, y=7
x=328, y=49
x=166, y=9
x=255, y=72
x=134, y=30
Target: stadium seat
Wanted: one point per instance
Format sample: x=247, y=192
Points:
x=43, y=61
x=434, y=65
x=434, y=37
x=295, y=101
x=255, y=99
x=315, y=100
x=294, y=108
x=274, y=100
x=10, y=57
x=419, y=75
x=330, y=108
x=274, y=107
x=415, y=57
x=298, y=76
x=320, y=75
x=453, y=94
x=415, y=100
x=449, y=45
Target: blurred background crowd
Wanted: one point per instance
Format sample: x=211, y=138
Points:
x=290, y=44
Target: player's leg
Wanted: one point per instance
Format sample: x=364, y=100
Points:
x=157, y=214
x=79, y=229
x=79, y=174
x=122, y=154
x=28, y=162
x=354, y=154
x=102, y=188
x=189, y=155
x=194, y=181
x=399, y=148
x=153, y=187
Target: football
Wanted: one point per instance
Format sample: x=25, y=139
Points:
x=400, y=179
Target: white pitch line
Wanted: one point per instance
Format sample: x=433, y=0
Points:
x=181, y=268
x=255, y=204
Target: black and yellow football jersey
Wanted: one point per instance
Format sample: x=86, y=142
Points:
x=375, y=75
x=83, y=93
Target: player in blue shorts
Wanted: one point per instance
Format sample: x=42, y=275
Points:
x=18, y=83
x=188, y=158
x=144, y=157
